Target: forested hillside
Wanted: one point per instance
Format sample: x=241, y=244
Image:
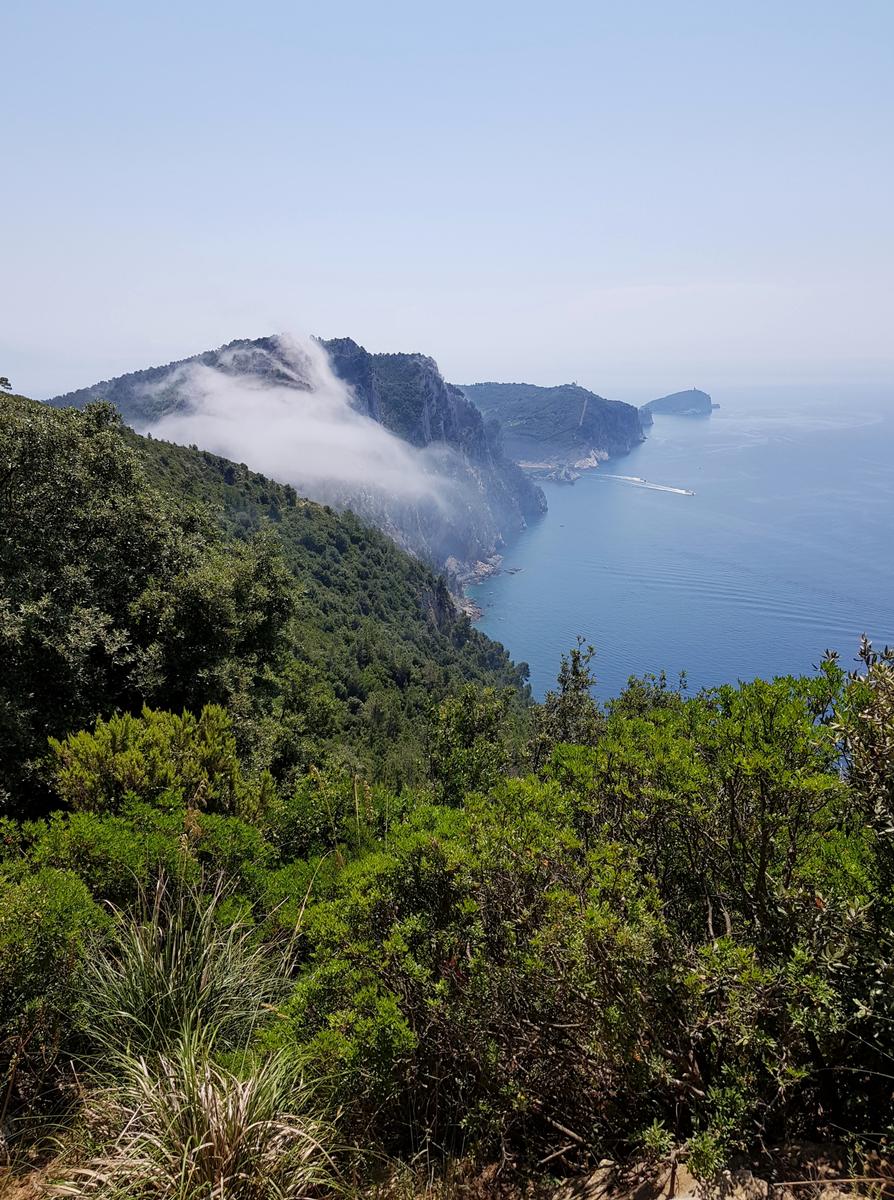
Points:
x=137, y=571
x=564, y=426
x=299, y=895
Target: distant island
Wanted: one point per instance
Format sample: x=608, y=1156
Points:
x=691, y=403
x=553, y=432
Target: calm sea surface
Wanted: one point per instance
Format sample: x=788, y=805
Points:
x=786, y=548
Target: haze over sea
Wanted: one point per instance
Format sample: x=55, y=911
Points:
x=784, y=550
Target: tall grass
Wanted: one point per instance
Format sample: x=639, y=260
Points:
x=184, y=1107
x=175, y=968
x=189, y=1129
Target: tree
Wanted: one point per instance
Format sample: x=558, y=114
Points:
x=469, y=743
x=112, y=595
x=5, y=385
x=569, y=714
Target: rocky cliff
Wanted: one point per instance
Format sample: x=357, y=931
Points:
x=477, y=496
x=557, y=428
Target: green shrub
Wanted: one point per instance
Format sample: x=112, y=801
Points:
x=481, y=979
x=45, y=920
x=170, y=761
x=470, y=743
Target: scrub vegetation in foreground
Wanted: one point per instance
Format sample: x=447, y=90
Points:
x=299, y=890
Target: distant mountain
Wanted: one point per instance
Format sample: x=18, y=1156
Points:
x=486, y=497
x=548, y=429
x=692, y=403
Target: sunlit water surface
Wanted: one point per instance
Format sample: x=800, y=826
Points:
x=785, y=549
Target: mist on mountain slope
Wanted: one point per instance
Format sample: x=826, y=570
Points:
x=297, y=423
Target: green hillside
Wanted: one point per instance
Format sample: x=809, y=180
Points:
x=300, y=896
x=556, y=425
x=119, y=554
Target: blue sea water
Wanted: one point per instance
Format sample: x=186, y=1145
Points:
x=786, y=548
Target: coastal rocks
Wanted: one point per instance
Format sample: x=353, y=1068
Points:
x=462, y=574
x=593, y=459
x=554, y=472
x=563, y=474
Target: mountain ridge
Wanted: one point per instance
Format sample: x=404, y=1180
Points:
x=492, y=499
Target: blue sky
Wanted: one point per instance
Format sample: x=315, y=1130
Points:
x=638, y=196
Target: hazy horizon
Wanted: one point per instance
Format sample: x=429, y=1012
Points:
x=642, y=200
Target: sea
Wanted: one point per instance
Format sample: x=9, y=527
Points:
x=785, y=548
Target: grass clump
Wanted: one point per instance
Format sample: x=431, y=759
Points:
x=178, y=967
x=186, y=1127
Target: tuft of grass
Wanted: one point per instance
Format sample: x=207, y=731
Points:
x=177, y=967
x=190, y=1129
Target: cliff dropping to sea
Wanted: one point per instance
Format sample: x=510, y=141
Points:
x=470, y=496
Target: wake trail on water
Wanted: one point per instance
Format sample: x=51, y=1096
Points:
x=638, y=481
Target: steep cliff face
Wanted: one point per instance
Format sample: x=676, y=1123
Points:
x=556, y=427
x=407, y=393
x=475, y=496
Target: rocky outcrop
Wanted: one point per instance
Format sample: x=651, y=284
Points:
x=409, y=396
x=549, y=428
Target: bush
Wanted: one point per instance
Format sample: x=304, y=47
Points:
x=45, y=920
x=159, y=757
x=120, y=856
x=483, y=979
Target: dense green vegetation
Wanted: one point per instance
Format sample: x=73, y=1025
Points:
x=289, y=866
x=136, y=572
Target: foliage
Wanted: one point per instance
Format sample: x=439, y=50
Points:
x=113, y=594
x=296, y=776
x=45, y=919
x=569, y=714
x=186, y=1127
x=451, y=977
x=134, y=572
x=177, y=968
x=471, y=743
x=168, y=760
x=663, y=928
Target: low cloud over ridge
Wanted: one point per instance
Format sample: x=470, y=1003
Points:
x=289, y=416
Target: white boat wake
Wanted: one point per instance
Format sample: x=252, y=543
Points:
x=638, y=481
